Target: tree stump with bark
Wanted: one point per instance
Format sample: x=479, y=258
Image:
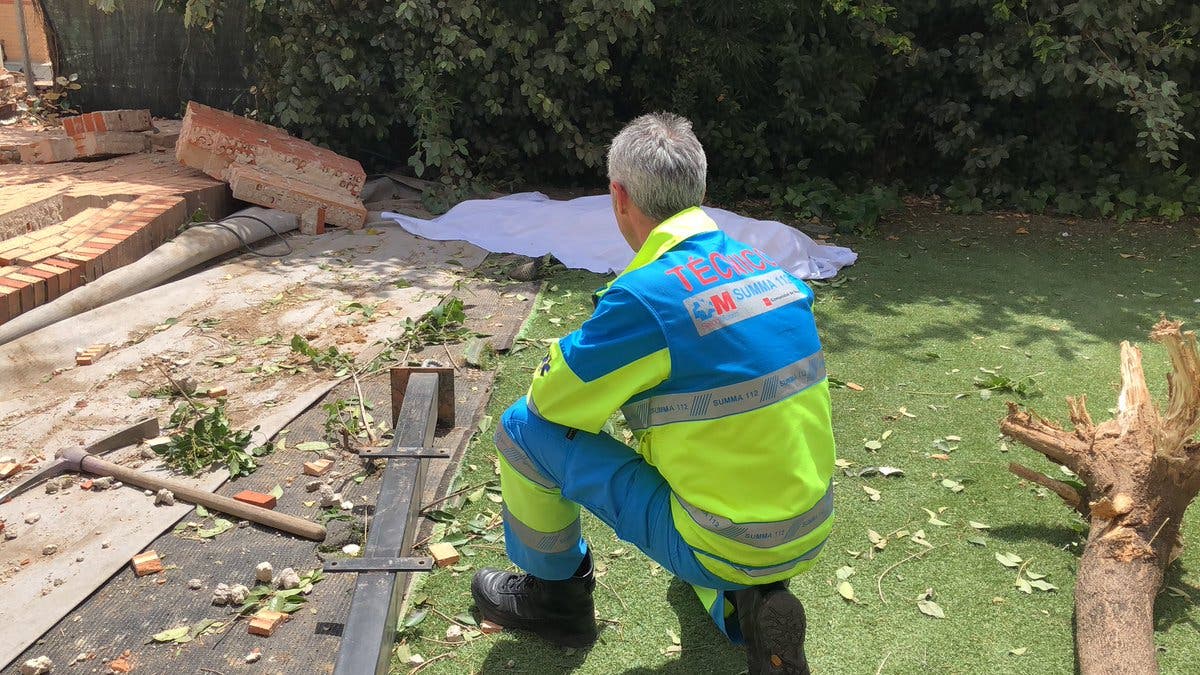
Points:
x=1140, y=471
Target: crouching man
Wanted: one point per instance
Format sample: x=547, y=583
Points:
x=710, y=350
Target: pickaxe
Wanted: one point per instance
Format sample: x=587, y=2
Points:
x=86, y=460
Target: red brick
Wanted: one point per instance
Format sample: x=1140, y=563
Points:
x=10, y=303
x=212, y=140
x=36, y=283
x=312, y=221
x=146, y=563
x=265, y=621
x=72, y=277
x=256, y=498
x=57, y=278
x=24, y=289
x=277, y=192
x=50, y=279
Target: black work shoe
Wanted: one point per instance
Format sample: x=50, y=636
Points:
x=772, y=621
x=561, y=612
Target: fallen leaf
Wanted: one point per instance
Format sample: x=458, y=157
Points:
x=978, y=525
x=844, y=572
x=276, y=492
x=171, y=634
x=1018, y=651
x=942, y=456
x=884, y=471
x=952, y=485
x=977, y=540
x=934, y=520
x=853, y=386
x=1023, y=586
x=1022, y=230
x=872, y=493
x=1043, y=585
x=312, y=446
x=873, y=445
x=845, y=590
x=931, y=608
x=954, y=439
x=1008, y=559
x=673, y=636
x=885, y=435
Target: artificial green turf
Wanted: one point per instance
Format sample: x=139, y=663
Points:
x=913, y=322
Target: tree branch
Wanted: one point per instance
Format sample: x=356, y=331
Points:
x=1068, y=493
x=1057, y=445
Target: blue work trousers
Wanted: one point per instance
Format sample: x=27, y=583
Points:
x=547, y=468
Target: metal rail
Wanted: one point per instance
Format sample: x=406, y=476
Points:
x=370, y=628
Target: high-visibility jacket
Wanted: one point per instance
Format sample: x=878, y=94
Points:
x=710, y=349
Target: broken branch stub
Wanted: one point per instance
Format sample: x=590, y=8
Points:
x=1141, y=470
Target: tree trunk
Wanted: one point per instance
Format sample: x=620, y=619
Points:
x=1140, y=471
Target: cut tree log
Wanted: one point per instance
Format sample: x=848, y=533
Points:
x=1141, y=470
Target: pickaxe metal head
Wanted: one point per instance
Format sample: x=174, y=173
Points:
x=67, y=461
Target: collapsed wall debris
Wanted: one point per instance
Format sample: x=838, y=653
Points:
x=264, y=165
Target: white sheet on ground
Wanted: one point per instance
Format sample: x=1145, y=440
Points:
x=582, y=233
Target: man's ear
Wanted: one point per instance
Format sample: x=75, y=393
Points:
x=620, y=197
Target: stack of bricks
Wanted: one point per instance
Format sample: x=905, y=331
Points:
x=93, y=135
x=265, y=166
x=44, y=264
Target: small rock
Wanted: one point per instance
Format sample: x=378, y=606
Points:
x=102, y=483
x=8, y=460
x=264, y=572
x=105, y=544
x=253, y=656
x=117, y=484
x=347, y=506
x=351, y=549
x=9, y=535
x=220, y=595
x=164, y=498
x=49, y=549
x=194, y=584
x=454, y=633
x=237, y=594
x=32, y=518
x=313, y=486
x=330, y=498
x=148, y=493
x=80, y=657
x=415, y=660
x=147, y=452
x=52, y=487
x=38, y=666
x=58, y=581
x=78, y=558
x=65, y=482
x=331, y=455
x=510, y=664
x=287, y=580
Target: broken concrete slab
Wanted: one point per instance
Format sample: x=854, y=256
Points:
x=107, y=120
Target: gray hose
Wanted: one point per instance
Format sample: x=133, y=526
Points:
x=190, y=248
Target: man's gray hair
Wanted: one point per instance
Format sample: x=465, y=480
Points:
x=661, y=164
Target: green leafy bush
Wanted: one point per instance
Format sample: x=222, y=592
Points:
x=1083, y=107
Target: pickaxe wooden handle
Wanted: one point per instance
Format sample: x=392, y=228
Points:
x=279, y=521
